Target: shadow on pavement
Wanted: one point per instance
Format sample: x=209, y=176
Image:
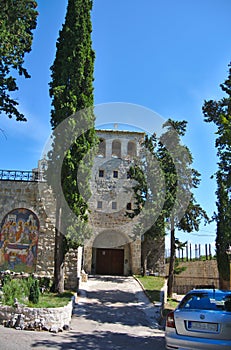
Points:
x=103, y=341
x=113, y=306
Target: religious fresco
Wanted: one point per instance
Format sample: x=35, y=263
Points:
x=19, y=241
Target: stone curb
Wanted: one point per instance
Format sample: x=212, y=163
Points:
x=158, y=305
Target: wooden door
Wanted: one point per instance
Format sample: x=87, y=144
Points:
x=110, y=261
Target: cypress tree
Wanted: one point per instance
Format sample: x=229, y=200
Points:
x=34, y=292
x=71, y=90
x=219, y=113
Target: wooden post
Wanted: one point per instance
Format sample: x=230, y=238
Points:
x=210, y=254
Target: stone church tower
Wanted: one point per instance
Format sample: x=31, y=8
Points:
x=113, y=247
x=27, y=216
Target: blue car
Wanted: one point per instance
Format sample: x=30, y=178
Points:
x=201, y=321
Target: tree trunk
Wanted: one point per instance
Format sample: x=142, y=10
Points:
x=58, y=284
x=145, y=252
x=172, y=259
x=144, y=266
x=223, y=263
x=224, y=284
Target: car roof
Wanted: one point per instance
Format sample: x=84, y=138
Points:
x=210, y=290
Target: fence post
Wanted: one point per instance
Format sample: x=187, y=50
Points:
x=210, y=254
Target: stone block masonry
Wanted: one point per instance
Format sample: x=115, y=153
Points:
x=197, y=273
x=112, y=229
x=25, y=195
x=39, y=200
x=35, y=318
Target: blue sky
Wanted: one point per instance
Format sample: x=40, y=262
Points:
x=168, y=56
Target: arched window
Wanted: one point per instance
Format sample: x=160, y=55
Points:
x=116, y=149
x=19, y=233
x=131, y=149
x=102, y=148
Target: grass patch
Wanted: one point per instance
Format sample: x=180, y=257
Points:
x=48, y=300
x=152, y=286
x=20, y=289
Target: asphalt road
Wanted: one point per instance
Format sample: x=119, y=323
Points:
x=112, y=314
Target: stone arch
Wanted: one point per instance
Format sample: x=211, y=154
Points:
x=110, y=253
x=19, y=234
x=116, y=149
x=131, y=149
x=110, y=239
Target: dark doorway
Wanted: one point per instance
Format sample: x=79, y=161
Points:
x=110, y=261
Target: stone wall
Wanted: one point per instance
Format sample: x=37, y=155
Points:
x=73, y=263
x=47, y=318
x=38, y=198
x=23, y=194
x=197, y=273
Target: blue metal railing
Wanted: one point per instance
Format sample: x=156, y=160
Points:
x=21, y=175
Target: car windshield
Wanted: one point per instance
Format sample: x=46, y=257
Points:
x=207, y=301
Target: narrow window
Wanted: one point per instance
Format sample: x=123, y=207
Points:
x=116, y=149
x=129, y=206
x=101, y=173
x=100, y=205
x=114, y=205
x=115, y=173
x=131, y=148
x=102, y=148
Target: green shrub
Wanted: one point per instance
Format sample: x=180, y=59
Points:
x=45, y=284
x=34, y=292
x=12, y=289
x=6, y=279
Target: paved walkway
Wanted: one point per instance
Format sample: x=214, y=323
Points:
x=112, y=313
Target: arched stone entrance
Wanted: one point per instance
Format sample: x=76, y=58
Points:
x=108, y=253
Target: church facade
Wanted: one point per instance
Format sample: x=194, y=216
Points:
x=27, y=216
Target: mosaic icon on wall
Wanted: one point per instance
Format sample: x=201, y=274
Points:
x=19, y=241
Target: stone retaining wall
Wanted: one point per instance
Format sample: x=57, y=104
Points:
x=48, y=318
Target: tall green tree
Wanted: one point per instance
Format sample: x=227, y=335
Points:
x=18, y=19
x=164, y=191
x=71, y=90
x=181, y=208
x=219, y=113
x=148, y=192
